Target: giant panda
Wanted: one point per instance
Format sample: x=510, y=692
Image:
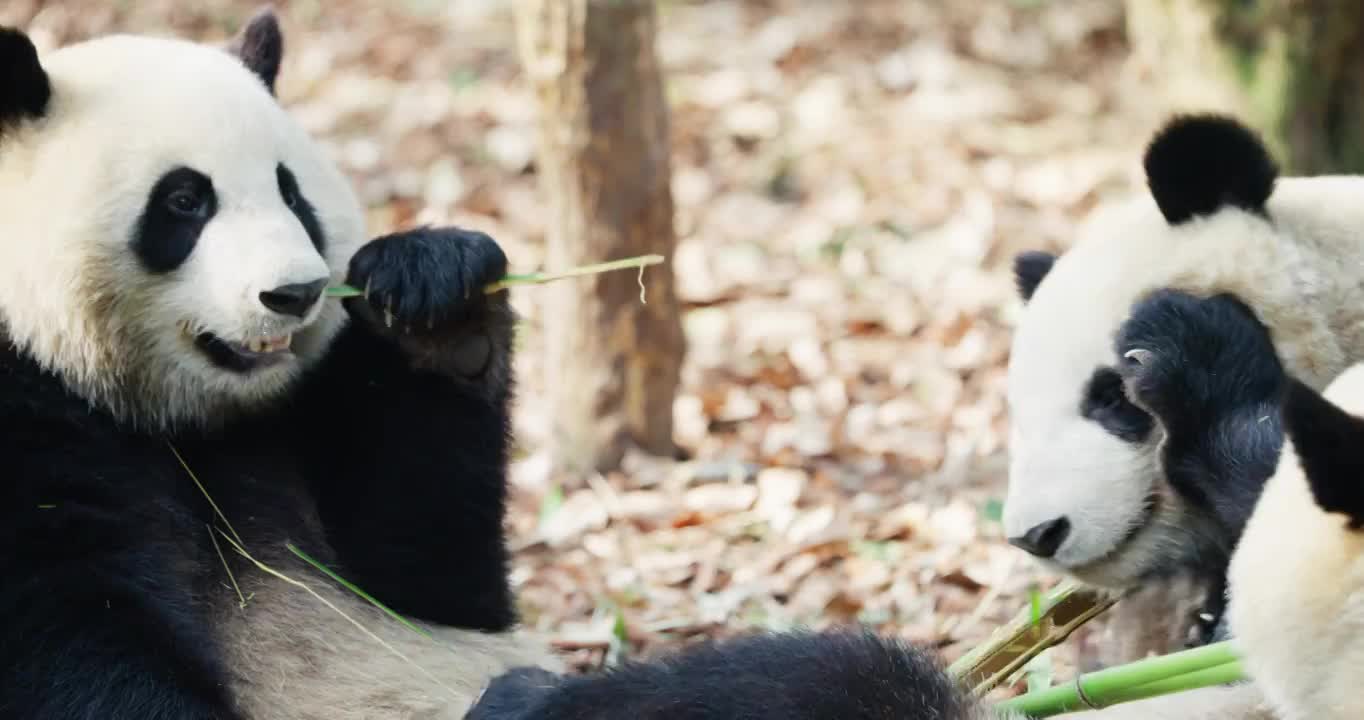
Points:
x=1091, y=491
x=1205, y=361
x=182, y=409
x=1296, y=581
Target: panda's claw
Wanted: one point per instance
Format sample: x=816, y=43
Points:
x=1139, y=356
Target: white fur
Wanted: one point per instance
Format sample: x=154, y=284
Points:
x=1300, y=274
x=293, y=657
x=124, y=111
x=1297, y=591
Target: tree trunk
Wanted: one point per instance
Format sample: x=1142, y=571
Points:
x=614, y=363
x=1292, y=68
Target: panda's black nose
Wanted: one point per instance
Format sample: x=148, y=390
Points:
x=1044, y=539
x=295, y=299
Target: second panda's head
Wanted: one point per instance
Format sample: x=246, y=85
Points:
x=1087, y=490
x=166, y=229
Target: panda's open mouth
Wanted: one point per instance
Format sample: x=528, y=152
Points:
x=254, y=354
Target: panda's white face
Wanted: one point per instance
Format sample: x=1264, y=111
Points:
x=167, y=232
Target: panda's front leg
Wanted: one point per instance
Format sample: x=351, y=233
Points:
x=1207, y=369
x=408, y=424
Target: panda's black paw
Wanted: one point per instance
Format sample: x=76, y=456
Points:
x=424, y=277
x=1189, y=359
x=426, y=287
x=514, y=695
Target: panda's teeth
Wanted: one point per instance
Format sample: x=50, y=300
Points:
x=264, y=345
x=279, y=344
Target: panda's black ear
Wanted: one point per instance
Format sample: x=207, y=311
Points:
x=24, y=88
x=1030, y=266
x=1329, y=443
x=1197, y=164
x=260, y=45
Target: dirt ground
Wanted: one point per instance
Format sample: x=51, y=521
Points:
x=852, y=180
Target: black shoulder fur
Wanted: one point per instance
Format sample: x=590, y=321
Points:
x=1329, y=443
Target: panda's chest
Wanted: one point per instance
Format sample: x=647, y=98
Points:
x=251, y=491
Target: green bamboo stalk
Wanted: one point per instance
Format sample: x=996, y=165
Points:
x=1223, y=674
x=1213, y=664
x=641, y=262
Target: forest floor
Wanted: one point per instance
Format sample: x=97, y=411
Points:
x=851, y=181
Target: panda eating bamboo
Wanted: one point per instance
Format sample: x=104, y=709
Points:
x=187, y=422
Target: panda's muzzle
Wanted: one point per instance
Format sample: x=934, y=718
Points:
x=252, y=355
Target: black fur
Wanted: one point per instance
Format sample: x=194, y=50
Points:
x=1030, y=267
x=299, y=205
x=1207, y=369
x=387, y=464
x=178, y=208
x=24, y=87
x=1198, y=164
x=1329, y=443
x=260, y=46
x=1105, y=403
x=790, y=676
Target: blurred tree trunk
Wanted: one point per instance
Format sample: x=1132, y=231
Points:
x=614, y=363
x=1292, y=68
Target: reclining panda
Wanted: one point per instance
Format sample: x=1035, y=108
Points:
x=1101, y=486
x=174, y=387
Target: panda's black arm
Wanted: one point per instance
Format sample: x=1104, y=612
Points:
x=408, y=458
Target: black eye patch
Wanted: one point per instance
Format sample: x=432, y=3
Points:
x=1106, y=403
x=293, y=197
x=178, y=207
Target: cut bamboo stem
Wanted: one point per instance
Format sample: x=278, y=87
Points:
x=1047, y=621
